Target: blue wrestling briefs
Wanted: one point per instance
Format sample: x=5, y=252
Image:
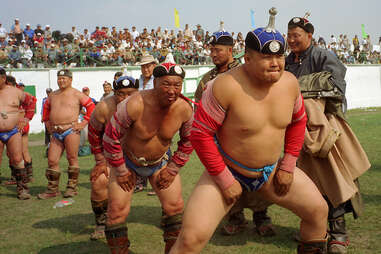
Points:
x=5, y=136
x=61, y=137
x=250, y=184
x=148, y=170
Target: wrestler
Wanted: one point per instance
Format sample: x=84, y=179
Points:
x=123, y=87
x=244, y=118
x=61, y=111
x=10, y=126
x=221, y=52
x=332, y=156
x=137, y=141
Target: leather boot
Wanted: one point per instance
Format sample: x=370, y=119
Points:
x=117, y=239
x=29, y=171
x=263, y=224
x=22, y=187
x=100, y=212
x=71, y=188
x=52, y=191
x=339, y=240
x=172, y=226
x=11, y=181
x=313, y=246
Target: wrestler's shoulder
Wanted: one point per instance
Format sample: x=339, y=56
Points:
x=289, y=79
x=135, y=103
x=184, y=106
x=228, y=81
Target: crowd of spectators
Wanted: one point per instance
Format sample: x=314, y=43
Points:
x=24, y=46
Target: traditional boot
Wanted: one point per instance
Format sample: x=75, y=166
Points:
x=53, y=177
x=29, y=171
x=339, y=240
x=313, y=246
x=171, y=226
x=100, y=212
x=263, y=224
x=71, y=188
x=236, y=223
x=11, y=181
x=117, y=238
x=22, y=187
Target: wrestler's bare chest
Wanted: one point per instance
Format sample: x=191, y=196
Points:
x=9, y=99
x=65, y=102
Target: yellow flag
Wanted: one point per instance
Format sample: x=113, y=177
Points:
x=177, y=19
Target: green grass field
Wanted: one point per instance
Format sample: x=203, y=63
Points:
x=33, y=226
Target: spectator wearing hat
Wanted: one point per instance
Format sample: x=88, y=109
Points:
x=38, y=38
x=26, y=54
x=17, y=31
x=39, y=30
x=332, y=156
x=161, y=110
x=3, y=41
x=28, y=31
x=47, y=32
x=3, y=31
x=147, y=65
x=200, y=32
x=14, y=56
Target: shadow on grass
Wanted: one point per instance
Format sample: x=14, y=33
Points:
x=83, y=223
x=77, y=248
x=283, y=238
x=371, y=199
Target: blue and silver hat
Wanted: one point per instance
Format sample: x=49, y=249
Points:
x=267, y=40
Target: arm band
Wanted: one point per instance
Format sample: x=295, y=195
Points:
x=113, y=133
x=89, y=105
x=294, y=136
x=208, y=119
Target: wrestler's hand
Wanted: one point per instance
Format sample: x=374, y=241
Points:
x=21, y=124
x=98, y=169
x=233, y=193
x=127, y=181
x=77, y=127
x=282, y=182
x=164, y=179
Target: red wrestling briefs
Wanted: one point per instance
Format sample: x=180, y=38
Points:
x=111, y=138
x=208, y=119
x=294, y=136
x=96, y=130
x=89, y=105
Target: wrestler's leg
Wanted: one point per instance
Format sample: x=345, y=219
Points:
x=205, y=209
x=71, y=143
x=27, y=157
x=236, y=221
x=172, y=205
x=99, y=203
x=118, y=209
x=14, y=147
x=53, y=173
x=305, y=200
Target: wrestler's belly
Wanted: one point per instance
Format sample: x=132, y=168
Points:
x=63, y=116
x=9, y=123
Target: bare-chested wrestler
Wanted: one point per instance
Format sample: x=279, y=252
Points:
x=11, y=125
x=137, y=141
x=123, y=87
x=244, y=118
x=61, y=111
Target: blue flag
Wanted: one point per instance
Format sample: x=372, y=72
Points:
x=252, y=18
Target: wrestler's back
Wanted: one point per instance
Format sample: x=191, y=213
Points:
x=9, y=107
x=64, y=106
x=152, y=133
x=254, y=128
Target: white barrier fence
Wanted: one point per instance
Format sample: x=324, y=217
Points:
x=363, y=83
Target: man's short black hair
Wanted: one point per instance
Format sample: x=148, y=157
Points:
x=2, y=71
x=11, y=80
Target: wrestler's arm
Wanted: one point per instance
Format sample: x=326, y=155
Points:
x=28, y=103
x=294, y=138
x=86, y=102
x=208, y=119
x=96, y=129
x=181, y=155
x=123, y=118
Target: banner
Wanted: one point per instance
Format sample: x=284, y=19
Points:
x=177, y=19
x=252, y=18
x=364, y=35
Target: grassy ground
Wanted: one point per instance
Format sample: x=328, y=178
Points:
x=33, y=226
